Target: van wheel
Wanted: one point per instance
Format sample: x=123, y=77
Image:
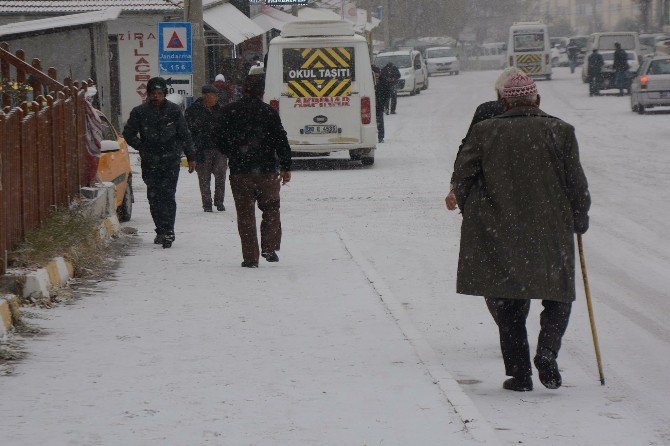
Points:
x=413, y=92
x=354, y=156
x=640, y=109
x=548, y=77
x=368, y=160
x=125, y=211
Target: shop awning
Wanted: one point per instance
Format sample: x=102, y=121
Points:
x=228, y=21
x=271, y=18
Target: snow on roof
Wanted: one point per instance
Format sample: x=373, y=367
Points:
x=72, y=6
x=65, y=21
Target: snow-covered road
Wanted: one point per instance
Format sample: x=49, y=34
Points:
x=138, y=362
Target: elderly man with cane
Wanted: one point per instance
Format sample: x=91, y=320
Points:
x=520, y=185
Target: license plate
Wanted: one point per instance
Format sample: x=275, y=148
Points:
x=320, y=129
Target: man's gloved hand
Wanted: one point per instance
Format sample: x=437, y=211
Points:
x=581, y=223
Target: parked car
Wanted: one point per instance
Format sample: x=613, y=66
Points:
x=559, y=54
x=410, y=63
x=114, y=167
x=442, y=60
x=651, y=87
x=648, y=42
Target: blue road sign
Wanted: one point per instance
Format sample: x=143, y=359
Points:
x=175, y=55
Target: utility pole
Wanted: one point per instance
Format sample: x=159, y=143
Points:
x=193, y=14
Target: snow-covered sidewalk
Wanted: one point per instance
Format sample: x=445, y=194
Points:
x=186, y=347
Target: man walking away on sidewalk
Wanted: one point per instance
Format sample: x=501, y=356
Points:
x=203, y=118
x=158, y=130
x=573, y=54
x=260, y=156
x=620, y=67
x=523, y=195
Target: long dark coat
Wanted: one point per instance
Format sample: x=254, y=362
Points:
x=523, y=193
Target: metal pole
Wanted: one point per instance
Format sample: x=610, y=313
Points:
x=193, y=14
x=589, y=306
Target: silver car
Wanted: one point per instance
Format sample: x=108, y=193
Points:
x=651, y=86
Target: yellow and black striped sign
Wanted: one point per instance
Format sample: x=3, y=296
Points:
x=529, y=63
x=319, y=72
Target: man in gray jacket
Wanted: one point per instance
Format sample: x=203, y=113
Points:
x=520, y=185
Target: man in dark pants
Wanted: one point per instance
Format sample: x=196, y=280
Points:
x=381, y=99
x=390, y=76
x=203, y=118
x=620, y=67
x=523, y=195
x=158, y=130
x=260, y=156
x=595, y=65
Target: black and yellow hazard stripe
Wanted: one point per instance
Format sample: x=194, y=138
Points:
x=529, y=63
x=327, y=58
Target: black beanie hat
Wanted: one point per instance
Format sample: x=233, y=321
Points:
x=157, y=83
x=209, y=89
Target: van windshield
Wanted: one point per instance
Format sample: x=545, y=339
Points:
x=400, y=61
x=440, y=52
x=607, y=42
x=529, y=42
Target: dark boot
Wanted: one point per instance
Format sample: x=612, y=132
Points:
x=159, y=239
x=249, y=264
x=519, y=384
x=270, y=256
x=547, y=368
x=168, y=239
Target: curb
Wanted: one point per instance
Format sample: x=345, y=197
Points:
x=473, y=422
x=38, y=284
x=109, y=228
x=9, y=312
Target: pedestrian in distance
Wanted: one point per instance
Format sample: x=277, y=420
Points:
x=483, y=112
x=381, y=99
x=595, y=63
x=523, y=195
x=620, y=66
x=390, y=75
x=259, y=154
x=203, y=118
x=573, y=54
x=158, y=130
x=225, y=89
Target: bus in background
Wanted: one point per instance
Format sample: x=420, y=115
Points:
x=529, y=48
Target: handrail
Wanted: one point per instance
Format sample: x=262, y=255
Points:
x=42, y=77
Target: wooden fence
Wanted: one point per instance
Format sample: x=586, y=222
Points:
x=43, y=160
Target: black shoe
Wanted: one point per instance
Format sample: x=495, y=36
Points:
x=207, y=209
x=393, y=113
x=249, y=265
x=381, y=140
x=220, y=207
x=519, y=384
x=547, y=369
x=159, y=239
x=168, y=239
x=270, y=256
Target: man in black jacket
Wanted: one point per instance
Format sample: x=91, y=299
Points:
x=620, y=67
x=203, y=118
x=595, y=64
x=390, y=76
x=158, y=130
x=259, y=155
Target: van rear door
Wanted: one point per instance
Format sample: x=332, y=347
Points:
x=320, y=104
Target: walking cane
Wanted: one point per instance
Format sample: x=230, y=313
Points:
x=590, y=308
